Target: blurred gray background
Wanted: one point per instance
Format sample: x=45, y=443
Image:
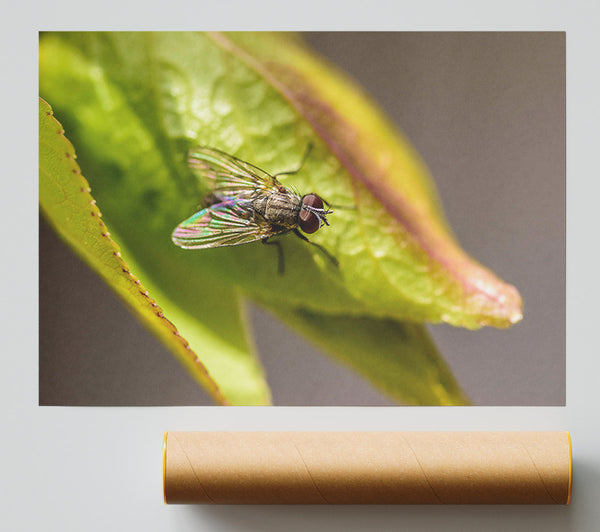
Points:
x=486, y=111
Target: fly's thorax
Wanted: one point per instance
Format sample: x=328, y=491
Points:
x=279, y=208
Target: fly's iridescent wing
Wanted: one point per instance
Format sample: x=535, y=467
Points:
x=228, y=223
x=229, y=217
x=228, y=176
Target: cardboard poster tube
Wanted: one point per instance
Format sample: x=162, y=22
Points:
x=367, y=467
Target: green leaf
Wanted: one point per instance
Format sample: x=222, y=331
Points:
x=66, y=201
x=401, y=359
x=135, y=103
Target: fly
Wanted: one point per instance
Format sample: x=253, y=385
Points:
x=246, y=204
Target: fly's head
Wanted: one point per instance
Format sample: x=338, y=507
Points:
x=312, y=214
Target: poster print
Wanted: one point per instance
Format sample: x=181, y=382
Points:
x=448, y=238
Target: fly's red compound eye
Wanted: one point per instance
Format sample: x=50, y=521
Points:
x=308, y=221
x=312, y=200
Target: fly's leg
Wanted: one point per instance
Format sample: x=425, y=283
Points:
x=323, y=250
x=280, y=263
x=304, y=157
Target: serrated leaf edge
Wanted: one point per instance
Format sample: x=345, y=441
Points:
x=213, y=388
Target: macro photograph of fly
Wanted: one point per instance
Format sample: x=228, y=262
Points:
x=247, y=204
x=303, y=219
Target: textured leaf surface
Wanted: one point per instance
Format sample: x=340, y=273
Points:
x=135, y=103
